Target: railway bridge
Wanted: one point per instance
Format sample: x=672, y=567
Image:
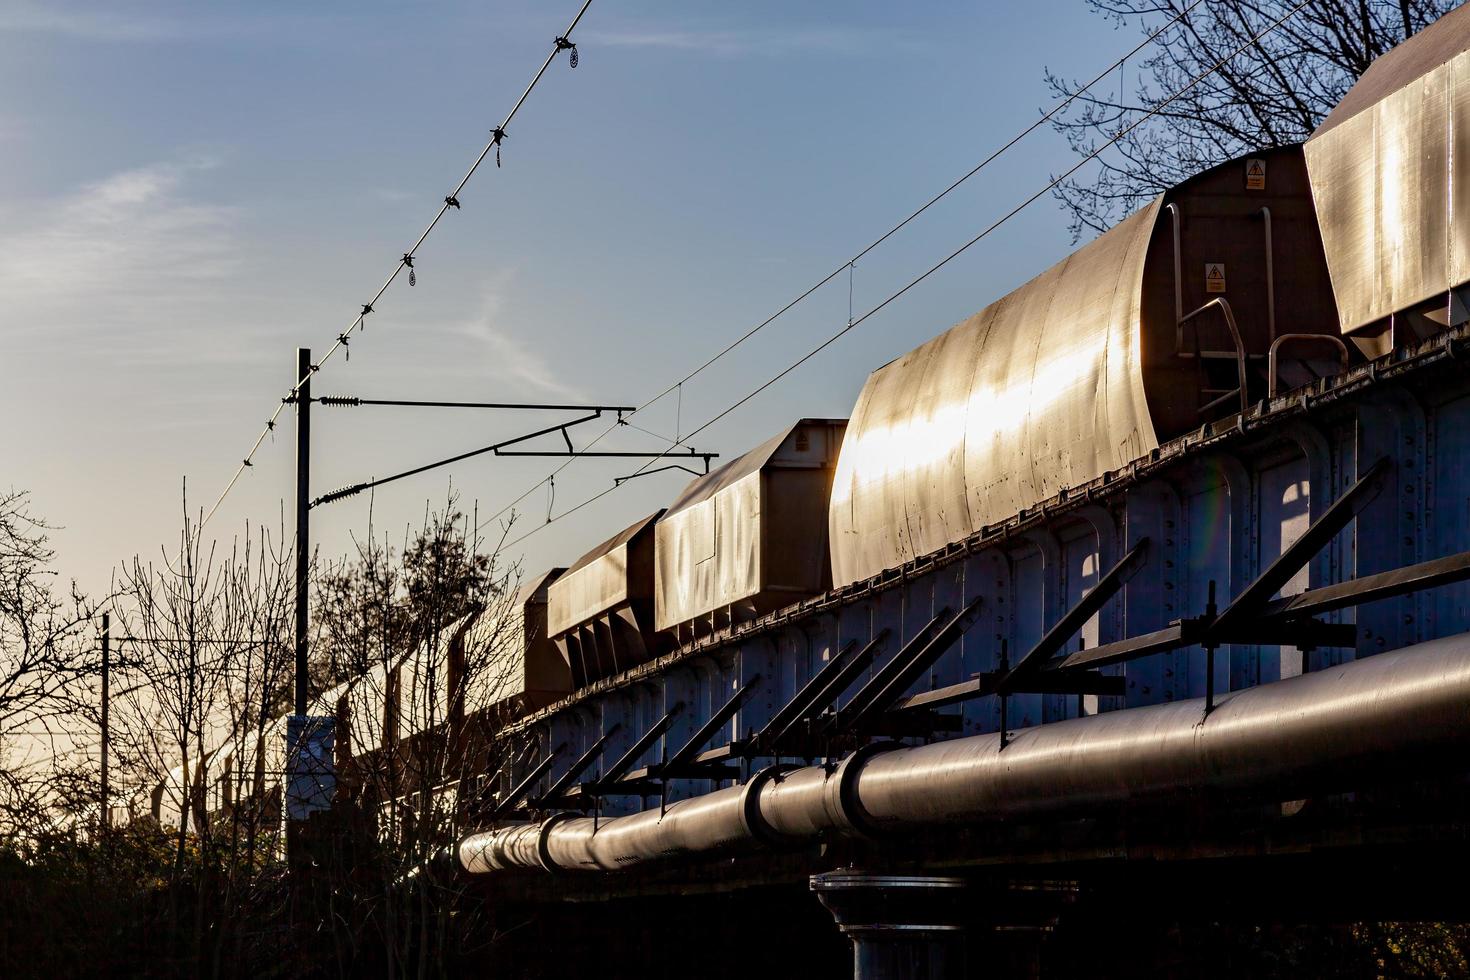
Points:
x=1104, y=706
x=1143, y=593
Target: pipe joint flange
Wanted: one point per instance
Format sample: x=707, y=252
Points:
x=476, y=861
x=840, y=795
x=496, y=853
x=543, y=840
x=751, y=818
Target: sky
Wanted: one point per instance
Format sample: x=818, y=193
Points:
x=190, y=192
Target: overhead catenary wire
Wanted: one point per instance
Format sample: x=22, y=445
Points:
x=849, y=265
x=892, y=297
x=497, y=135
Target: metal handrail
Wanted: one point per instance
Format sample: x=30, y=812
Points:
x=1271, y=355
x=1265, y=214
x=1178, y=217
x=1219, y=301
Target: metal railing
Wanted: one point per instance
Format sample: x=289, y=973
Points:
x=1239, y=353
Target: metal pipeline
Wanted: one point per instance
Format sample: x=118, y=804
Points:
x=1317, y=732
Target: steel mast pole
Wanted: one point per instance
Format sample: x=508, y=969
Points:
x=303, y=516
x=105, y=818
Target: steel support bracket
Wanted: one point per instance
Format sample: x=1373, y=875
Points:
x=1253, y=599
x=608, y=784
x=794, y=721
x=1254, y=617
x=521, y=789
x=844, y=720
x=1036, y=659
x=559, y=789
x=1045, y=682
x=683, y=762
x=1262, y=631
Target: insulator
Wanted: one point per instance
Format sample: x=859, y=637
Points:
x=328, y=498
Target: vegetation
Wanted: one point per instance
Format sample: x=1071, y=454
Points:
x=1274, y=92
x=189, y=876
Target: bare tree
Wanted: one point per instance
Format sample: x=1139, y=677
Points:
x=429, y=641
x=46, y=643
x=174, y=607
x=256, y=614
x=1273, y=93
x=48, y=657
x=209, y=661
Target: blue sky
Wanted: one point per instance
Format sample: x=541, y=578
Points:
x=189, y=192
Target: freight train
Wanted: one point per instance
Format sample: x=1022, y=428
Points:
x=1163, y=421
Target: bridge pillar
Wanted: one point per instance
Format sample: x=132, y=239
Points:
x=901, y=927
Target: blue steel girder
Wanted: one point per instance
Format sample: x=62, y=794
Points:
x=987, y=574
x=1151, y=598
x=1390, y=423
x=1243, y=536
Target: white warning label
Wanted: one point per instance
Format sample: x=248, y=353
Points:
x=1214, y=277
x=1255, y=175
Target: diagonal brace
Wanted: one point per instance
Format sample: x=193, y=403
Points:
x=1369, y=588
x=519, y=791
x=914, y=665
x=617, y=770
x=793, y=709
x=842, y=719
x=1075, y=618
x=1254, y=598
x=680, y=759
x=827, y=686
x=559, y=788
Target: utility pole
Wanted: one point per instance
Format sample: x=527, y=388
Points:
x=303, y=515
x=311, y=780
x=106, y=816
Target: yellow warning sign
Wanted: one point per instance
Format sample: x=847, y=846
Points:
x=1255, y=175
x=1214, y=277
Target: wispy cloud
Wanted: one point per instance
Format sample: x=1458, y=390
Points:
x=756, y=43
x=87, y=23
x=117, y=22
x=506, y=357
x=129, y=251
